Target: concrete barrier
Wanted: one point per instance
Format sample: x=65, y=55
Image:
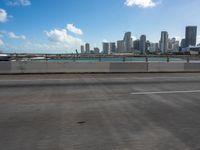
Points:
x=29, y=67
x=77, y=67
x=192, y=67
x=95, y=67
x=128, y=67
x=165, y=67
x=5, y=67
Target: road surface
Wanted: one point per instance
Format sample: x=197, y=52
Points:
x=100, y=112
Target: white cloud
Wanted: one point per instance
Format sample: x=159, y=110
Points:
x=140, y=3
x=19, y=2
x=134, y=37
x=3, y=15
x=62, y=37
x=14, y=36
x=105, y=41
x=1, y=43
x=74, y=29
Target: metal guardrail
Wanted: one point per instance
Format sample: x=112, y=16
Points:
x=100, y=57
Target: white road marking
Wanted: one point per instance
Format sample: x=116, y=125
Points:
x=164, y=92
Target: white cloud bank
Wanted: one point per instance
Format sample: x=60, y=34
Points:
x=61, y=36
x=3, y=15
x=19, y=2
x=1, y=43
x=12, y=35
x=140, y=3
x=73, y=29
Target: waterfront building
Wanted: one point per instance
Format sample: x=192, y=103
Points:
x=106, y=48
x=190, y=36
x=128, y=41
x=142, y=44
x=87, y=48
x=164, y=42
x=82, y=49
x=112, y=47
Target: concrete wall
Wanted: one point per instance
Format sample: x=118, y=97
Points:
x=128, y=67
x=166, y=67
x=103, y=67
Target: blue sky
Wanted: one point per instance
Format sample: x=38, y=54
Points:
x=59, y=26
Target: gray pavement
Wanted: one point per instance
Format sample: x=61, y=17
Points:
x=100, y=112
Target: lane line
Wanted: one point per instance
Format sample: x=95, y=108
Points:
x=72, y=79
x=164, y=92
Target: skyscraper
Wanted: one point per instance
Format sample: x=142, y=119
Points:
x=121, y=46
x=96, y=50
x=136, y=45
x=190, y=36
x=143, y=44
x=106, y=48
x=87, y=48
x=128, y=42
x=82, y=49
x=164, y=41
x=183, y=43
x=112, y=47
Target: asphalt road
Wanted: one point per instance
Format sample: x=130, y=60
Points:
x=100, y=112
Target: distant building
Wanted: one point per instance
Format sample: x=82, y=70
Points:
x=194, y=50
x=136, y=45
x=112, y=47
x=96, y=50
x=121, y=46
x=173, y=45
x=142, y=44
x=87, y=48
x=148, y=44
x=82, y=49
x=183, y=45
x=164, y=42
x=128, y=42
x=190, y=36
x=153, y=47
x=106, y=48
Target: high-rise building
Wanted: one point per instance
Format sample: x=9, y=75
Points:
x=143, y=44
x=173, y=45
x=190, y=36
x=96, y=50
x=106, y=48
x=164, y=42
x=121, y=46
x=82, y=49
x=128, y=42
x=153, y=47
x=112, y=47
x=148, y=44
x=87, y=48
x=136, y=45
x=183, y=43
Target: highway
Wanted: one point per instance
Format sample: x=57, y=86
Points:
x=100, y=111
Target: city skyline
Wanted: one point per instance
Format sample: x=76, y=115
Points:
x=32, y=26
x=165, y=45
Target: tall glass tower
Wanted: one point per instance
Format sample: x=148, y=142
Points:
x=190, y=36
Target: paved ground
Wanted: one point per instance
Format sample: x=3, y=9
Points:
x=100, y=112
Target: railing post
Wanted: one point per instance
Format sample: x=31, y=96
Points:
x=99, y=58
x=146, y=59
x=74, y=58
x=167, y=58
x=124, y=59
x=46, y=57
